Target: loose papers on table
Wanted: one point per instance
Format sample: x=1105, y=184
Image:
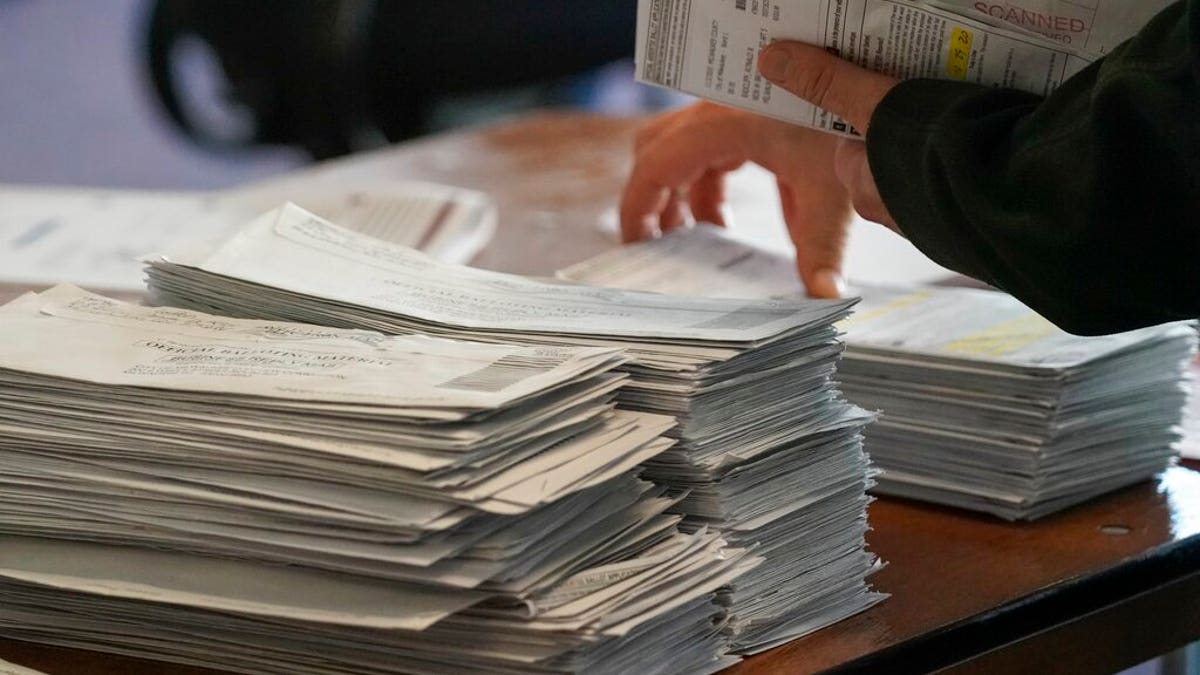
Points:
x=274, y=497
x=769, y=452
x=92, y=237
x=985, y=404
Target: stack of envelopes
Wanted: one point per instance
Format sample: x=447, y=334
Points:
x=985, y=404
x=288, y=498
x=988, y=406
x=769, y=452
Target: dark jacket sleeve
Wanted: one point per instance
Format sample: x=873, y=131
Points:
x=1085, y=204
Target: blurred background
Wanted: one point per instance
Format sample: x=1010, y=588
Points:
x=212, y=93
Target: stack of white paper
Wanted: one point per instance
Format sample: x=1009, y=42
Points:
x=769, y=451
x=991, y=407
x=1189, y=447
x=288, y=498
x=985, y=404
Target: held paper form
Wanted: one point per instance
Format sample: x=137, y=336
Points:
x=1095, y=26
x=710, y=48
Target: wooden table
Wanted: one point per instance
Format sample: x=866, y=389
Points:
x=1095, y=589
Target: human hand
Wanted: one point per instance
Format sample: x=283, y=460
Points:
x=846, y=90
x=683, y=156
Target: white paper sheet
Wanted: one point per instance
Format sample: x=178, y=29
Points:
x=970, y=324
x=92, y=237
x=709, y=48
x=46, y=335
x=1093, y=25
x=285, y=593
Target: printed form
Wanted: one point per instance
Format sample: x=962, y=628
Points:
x=1095, y=26
x=709, y=48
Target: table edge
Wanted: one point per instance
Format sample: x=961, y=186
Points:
x=1034, y=613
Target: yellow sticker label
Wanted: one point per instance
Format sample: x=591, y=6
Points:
x=1004, y=338
x=959, y=59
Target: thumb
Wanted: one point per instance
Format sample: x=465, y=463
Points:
x=825, y=80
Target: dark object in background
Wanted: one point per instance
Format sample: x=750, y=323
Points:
x=335, y=76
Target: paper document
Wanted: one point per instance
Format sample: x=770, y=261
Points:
x=709, y=48
x=1091, y=25
x=92, y=237
x=71, y=334
x=448, y=223
x=292, y=249
x=283, y=592
x=977, y=325
x=766, y=450
x=702, y=261
x=985, y=404
x=289, y=498
x=1190, y=446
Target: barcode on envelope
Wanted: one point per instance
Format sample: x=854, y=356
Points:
x=503, y=373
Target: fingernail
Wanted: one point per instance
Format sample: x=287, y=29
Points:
x=774, y=63
x=828, y=284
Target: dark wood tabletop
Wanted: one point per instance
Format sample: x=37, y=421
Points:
x=1097, y=588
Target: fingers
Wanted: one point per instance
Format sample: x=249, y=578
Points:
x=818, y=219
x=675, y=154
x=641, y=206
x=672, y=215
x=706, y=197
x=825, y=80
x=854, y=171
x=689, y=153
